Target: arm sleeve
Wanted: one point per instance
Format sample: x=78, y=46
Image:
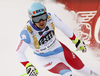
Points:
x=63, y=27
x=20, y=52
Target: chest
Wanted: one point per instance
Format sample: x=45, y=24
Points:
x=44, y=37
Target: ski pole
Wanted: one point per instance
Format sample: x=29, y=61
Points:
x=23, y=74
x=74, y=51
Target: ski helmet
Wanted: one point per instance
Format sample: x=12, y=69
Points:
x=36, y=9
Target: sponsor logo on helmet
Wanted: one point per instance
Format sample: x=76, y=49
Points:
x=37, y=11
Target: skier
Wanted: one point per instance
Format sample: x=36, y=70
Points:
x=39, y=34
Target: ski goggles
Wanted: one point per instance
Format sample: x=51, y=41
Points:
x=37, y=19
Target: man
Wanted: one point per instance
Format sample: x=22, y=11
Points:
x=39, y=34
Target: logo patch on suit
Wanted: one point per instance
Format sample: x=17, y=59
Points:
x=46, y=37
x=25, y=36
x=42, y=32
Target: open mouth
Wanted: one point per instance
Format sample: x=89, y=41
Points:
x=42, y=25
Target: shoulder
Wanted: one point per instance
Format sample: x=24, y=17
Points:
x=25, y=36
x=50, y=15
x=53, y=16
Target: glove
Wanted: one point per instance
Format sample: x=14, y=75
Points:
x=80, y=45
x=31, y=70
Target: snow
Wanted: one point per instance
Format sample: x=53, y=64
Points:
x=13, y=17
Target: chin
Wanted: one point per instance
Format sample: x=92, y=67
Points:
x=42, y=27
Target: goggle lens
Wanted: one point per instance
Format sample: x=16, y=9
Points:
x=38, y=18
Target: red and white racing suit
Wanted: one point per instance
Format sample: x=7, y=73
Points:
x=49, y=52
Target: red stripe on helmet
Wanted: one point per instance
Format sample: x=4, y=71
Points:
x=30, y=13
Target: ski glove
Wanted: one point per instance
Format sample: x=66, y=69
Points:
x=31, y=70
x=80, y=45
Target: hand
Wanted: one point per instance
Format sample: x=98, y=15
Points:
x=80, y=45
x=31, y=70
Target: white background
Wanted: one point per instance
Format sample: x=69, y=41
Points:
x=13, y=17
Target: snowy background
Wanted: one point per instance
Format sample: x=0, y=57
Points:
x=13, y=16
